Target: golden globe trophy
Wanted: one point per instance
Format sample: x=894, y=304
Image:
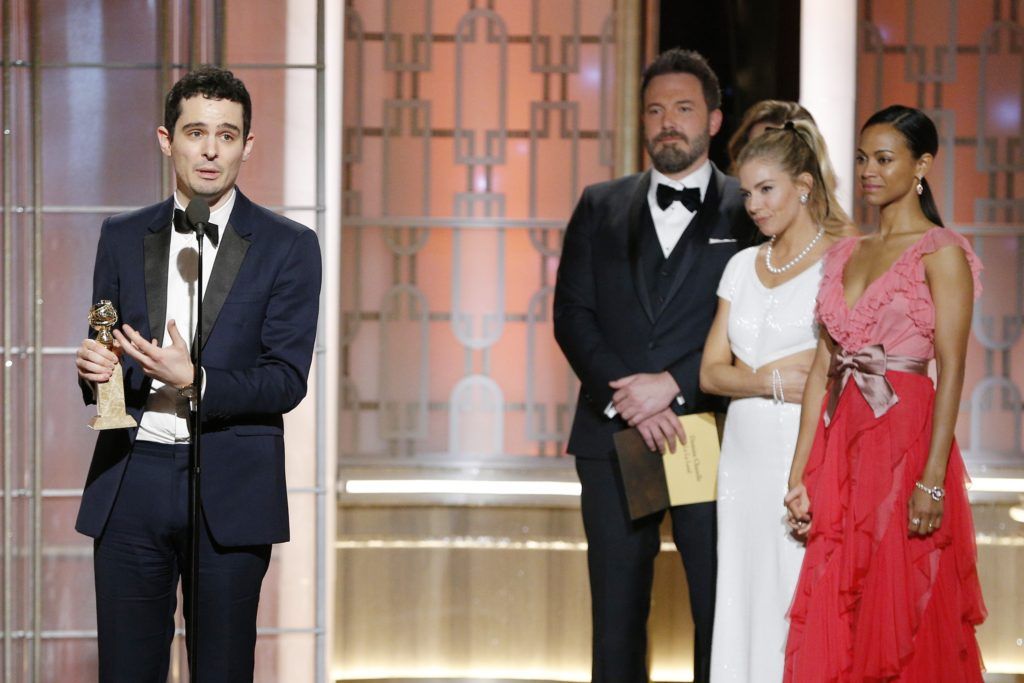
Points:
x=110, y=412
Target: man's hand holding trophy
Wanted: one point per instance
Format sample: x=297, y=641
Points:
x=98, y=362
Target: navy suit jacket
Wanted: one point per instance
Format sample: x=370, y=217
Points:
x=259, y=322
x=605, y=321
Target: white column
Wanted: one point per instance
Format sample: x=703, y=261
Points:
x=295, y=559
x=298, y=572
x=828, y=81
x=330, y=326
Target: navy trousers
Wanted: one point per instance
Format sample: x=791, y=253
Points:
x=139, y=558
x=620, y=559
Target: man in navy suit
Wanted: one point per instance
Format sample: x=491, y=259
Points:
x=260, y=303
x=634, y=300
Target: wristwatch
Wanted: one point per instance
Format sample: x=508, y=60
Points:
x=936, y=492
x=188, y=391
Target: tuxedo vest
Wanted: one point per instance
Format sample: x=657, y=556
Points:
x=659, y=270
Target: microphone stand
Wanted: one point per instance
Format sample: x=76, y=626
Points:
x=194, y=452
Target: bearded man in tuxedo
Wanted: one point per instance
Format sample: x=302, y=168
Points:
x=634, y=300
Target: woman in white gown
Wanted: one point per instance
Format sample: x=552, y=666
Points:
x=758, y=352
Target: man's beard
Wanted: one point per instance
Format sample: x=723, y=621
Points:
x=671, y=159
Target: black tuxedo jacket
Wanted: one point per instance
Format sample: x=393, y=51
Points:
x=605, y=320
x=259, y=321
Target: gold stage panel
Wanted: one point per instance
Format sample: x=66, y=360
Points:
x=466, y=589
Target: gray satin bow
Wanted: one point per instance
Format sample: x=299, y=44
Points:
x=868, y=367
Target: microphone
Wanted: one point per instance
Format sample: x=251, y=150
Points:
x=197, y=214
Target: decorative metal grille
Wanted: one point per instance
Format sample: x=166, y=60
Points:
x=470, y=130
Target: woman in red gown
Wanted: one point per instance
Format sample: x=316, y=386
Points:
x=888, y=590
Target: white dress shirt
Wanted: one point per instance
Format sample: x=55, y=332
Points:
x=671, y=222
x=166, y=417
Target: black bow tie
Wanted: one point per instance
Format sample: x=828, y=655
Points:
x=689, y=196
x=209, y=229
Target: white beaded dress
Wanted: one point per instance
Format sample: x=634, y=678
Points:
x=758, y=560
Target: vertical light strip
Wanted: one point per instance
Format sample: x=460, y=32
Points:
x=629, y=21
x=6, y=154
x=194, y=34
x=330, y=323
x=304, y=168
x=163, y=72
x=828, y=81
x=322, y=545
x=297, y=176
x=35, y=87
x=219, y=36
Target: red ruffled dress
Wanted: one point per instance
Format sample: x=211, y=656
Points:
x=872, y=603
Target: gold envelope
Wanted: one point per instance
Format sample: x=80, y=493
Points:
x=687, y=475
x=691, y=470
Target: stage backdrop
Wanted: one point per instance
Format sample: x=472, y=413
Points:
x=470, y=129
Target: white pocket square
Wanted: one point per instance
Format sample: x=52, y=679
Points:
x=715, y=240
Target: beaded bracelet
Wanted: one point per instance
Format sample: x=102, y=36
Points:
x=778, y=395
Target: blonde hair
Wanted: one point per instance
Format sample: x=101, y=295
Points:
x=772, y=112
x=799, y=148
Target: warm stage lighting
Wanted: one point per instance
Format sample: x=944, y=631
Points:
x=1005, y=667
x=455, y=673
x=463, y=486
x=1017, y=512
x=566, y=488
x=435, y=673
x=996, y=485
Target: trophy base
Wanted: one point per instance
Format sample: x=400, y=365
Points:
x=115, y=422
x=110, y=412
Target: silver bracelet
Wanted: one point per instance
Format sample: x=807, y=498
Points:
x=936, y=492
x=778, y=397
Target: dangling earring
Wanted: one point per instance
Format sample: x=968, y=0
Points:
x=805, y=197
x=919, y=187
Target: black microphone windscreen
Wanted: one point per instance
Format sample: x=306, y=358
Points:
x=197, y=211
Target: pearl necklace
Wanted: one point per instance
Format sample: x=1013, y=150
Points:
x=795, y=260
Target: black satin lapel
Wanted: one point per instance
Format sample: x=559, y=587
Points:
x=638, y=211
x=230, y=255
x=695, y=239
x=156, y=251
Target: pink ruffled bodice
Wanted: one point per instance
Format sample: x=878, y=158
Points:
x=896, y=310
